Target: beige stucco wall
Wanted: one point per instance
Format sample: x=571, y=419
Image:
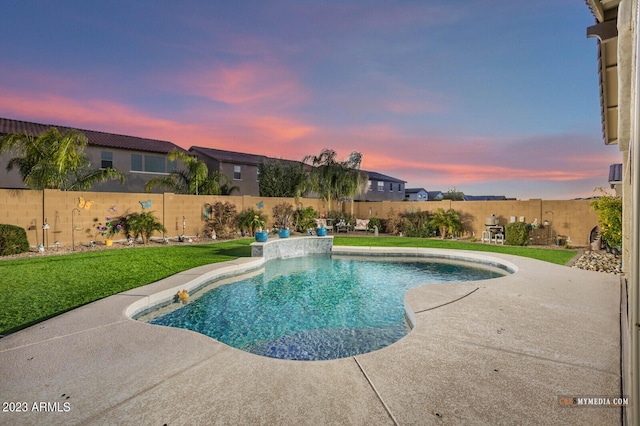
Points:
x=28, y=209
x=571, y=218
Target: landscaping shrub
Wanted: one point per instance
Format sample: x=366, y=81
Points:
x=223, y=220
x=609, y=209
x=283, y=215
x=446, y=223
x=374, y=221
x=517, y=234
x=394, y=223
x=13, y=240
x=245, y=220
x=416, y=224
x=142, y=225
x=303, y=218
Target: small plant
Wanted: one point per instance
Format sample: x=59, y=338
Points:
x=111, y=226
x=283, y=216
x=258, y=223
x=13, y=240
x=517, y=233
x=246, y=218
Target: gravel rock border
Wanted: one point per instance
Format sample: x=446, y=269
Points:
x=599, y=261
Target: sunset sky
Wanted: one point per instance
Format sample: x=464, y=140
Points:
x=490, y=97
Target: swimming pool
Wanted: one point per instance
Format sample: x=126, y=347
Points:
x=316, y=307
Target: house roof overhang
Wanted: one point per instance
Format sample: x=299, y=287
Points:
x=606, y=31
x=615, y=98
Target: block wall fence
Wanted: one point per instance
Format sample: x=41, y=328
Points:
x=183, y=214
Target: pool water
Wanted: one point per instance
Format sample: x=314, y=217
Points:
x=316, y=307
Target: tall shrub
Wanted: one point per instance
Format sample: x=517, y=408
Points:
x=223, y=220
x=245, y=220
x=609, y=209
x=517, y=233
x=303, y=218
x=416, y=224
x=13, y=240
x=446, y=222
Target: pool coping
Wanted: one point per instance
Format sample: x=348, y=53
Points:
x=495, y=351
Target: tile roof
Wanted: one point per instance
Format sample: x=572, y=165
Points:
x=414, y=190
x=484, y=197
x=95, y=138
x=229, y=156
x=380, y=177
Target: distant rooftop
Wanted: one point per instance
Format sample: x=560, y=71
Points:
x=380, y=177
x=484, y=197
x=110, y=140
x=414, y=190
x=229, y=156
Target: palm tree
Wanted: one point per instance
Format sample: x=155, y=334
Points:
x=54, y=160
x=448, y=222
x=193, y=179
x=333, y=179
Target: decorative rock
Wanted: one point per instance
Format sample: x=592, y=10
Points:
x=599, y=261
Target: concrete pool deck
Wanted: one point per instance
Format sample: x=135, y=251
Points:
x=500, y=351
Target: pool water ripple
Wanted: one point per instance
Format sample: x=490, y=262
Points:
x=316, y=307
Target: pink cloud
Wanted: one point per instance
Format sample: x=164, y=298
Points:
x=283, y=129
x=244, y=84
x=430, y=160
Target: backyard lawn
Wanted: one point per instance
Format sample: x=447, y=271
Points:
x=38, y=288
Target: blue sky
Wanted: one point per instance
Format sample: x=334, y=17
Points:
x=491, y=97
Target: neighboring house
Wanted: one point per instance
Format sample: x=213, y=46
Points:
x=484, y=197
x=615, y=178
x=416, y=194
x=435, y=195
x=241, y=169
x=382, y=188
x=139, y=159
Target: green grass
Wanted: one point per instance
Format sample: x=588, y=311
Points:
x=35, y=289
x=558, y=256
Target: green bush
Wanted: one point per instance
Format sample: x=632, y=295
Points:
x=609, y=209
x=517, y=234
x=142, y=225
x=13, y=240
x=446, y=223
x=374, y=221
x=245, y=220
x=417, y=224
x=303, y=218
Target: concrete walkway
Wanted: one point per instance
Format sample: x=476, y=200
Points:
x=502, y=354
